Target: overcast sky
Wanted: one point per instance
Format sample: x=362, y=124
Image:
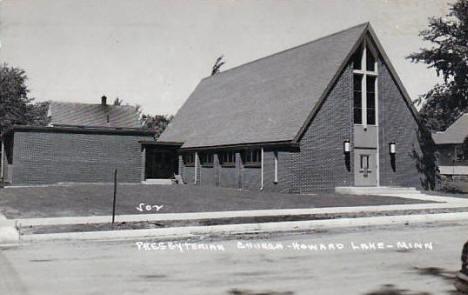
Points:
x=154, y=52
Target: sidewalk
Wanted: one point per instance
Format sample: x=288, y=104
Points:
x=249, y=228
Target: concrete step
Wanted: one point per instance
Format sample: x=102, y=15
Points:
x=375, y=190
x=162, y=181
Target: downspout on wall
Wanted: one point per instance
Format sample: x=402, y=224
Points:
x=2, y=165
x=276, y=167
x=196, y=169
x=261, y=170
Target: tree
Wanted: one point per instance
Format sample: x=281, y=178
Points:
x=444, y=103
x=217, y=66
x=118, y=101
x=158, y=122
x=16, y=108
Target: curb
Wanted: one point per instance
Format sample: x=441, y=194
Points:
x=190, y=231
x=9, y=234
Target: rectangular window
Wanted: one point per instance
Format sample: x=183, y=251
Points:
x=364, y=162
x=252, y=158
x=357, y=98
x=189, y=159
x=228, y=159
x=370, y=99
x=459, y=153
x=370, y=61
x=357, y=59
x=206, y=159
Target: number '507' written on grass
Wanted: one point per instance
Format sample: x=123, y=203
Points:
x=143, y=207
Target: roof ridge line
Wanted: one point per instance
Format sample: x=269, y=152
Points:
x=288, y=49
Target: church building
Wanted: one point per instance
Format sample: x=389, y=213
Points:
x=329, y=113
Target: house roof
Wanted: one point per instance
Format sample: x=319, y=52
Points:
x=455, y=134
x=93, y=115
x=271, y=99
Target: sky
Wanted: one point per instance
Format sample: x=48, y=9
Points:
x=155, y=52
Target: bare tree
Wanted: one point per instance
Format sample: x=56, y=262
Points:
x=216, y=67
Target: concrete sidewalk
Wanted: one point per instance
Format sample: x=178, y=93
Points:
x=230, y=229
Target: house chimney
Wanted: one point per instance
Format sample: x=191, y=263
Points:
x=103, y=100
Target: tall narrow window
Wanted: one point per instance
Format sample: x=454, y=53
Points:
x=370, y=99
x=365, y=86
x=357, y=59
x=370, y=61
x=357, y=99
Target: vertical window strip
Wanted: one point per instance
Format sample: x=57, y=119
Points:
x=365, y=87
x=357, y=78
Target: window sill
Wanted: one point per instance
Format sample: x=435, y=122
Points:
x=360, y=124
x=228, y=165
x=252, y=165
x=189, y=165
x=207, y=165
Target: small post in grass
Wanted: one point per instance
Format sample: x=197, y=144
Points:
x=115, y=196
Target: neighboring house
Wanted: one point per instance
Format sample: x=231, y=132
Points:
x=83, y=143
x=328, y=113
x=452, y=148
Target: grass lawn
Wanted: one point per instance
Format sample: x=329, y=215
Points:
x=96, y=199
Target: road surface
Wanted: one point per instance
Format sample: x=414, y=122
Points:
x=358, y=261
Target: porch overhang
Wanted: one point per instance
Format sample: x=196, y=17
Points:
x=283, y=145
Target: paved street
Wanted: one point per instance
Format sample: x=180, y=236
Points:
x=333, y=263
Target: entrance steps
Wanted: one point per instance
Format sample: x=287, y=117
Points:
x=160, y=181
x=376, y=190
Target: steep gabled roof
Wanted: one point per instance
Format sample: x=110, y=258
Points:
x=93, y=115
x=272, y=99
x=455, y=134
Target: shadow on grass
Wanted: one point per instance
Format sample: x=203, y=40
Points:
x=437, y=272
x=424, y=271
x=392, y=290
x=248, y=292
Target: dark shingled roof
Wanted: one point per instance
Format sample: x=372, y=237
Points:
x=271, y=99
x=93, y=115
x=262, y=101
x=455, y=134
